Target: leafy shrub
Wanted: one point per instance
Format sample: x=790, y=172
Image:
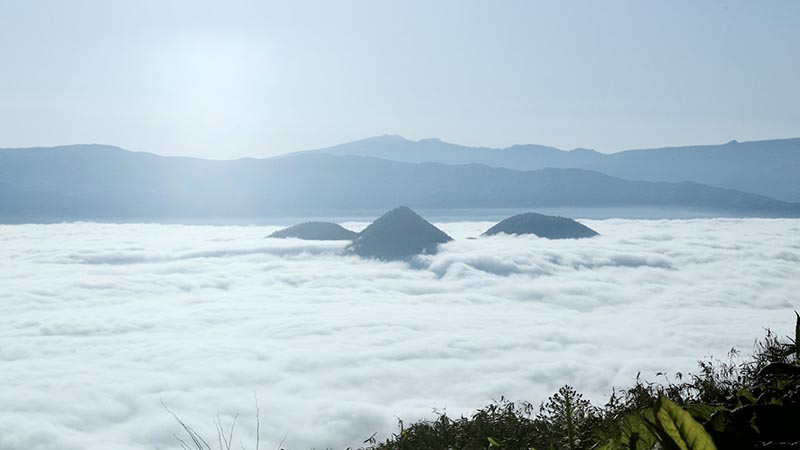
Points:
x=739, y=404
x=727, y=404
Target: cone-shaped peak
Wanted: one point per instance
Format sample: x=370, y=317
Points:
x=399, y=234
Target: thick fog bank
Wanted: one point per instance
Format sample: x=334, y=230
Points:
x=100, y=322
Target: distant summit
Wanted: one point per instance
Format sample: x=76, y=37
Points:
x=550, y=227
x=316, y=231
x=399, y=234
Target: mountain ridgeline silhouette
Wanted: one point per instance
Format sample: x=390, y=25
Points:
x=768, y=167
x=93, y=182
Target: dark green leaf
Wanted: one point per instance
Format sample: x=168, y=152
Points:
x=678, y=425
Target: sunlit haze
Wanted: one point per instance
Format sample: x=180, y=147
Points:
x=399, y=225
x=254, y=78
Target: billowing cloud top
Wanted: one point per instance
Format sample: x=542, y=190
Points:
x=100, y=322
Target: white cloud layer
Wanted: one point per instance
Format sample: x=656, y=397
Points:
x=99, y=322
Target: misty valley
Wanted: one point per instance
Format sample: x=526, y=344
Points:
x=416, y=225
x=346, y=345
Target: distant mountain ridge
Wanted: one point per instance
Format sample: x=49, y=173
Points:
x=518, y=157
x=768, y=167
x=97, y=182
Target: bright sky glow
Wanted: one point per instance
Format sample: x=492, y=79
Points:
x=256, y=78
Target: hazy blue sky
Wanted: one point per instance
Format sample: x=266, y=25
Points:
x=255, y=78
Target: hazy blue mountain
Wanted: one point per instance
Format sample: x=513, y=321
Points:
x=519, y=157
x=770, y=167
x=399, y=234
x=551, y=227
x=96, y=182
x=38, y=206
x=316, y=231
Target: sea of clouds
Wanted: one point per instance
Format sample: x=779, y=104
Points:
x=101, y=323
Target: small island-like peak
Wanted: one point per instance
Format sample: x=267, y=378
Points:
x=316, y=231
x=399, y=234
x=550, y=227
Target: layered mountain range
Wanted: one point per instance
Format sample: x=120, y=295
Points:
x=769, y=167
x=95, y=182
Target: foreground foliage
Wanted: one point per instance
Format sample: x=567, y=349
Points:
x=738, y=404
x=753, y=404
